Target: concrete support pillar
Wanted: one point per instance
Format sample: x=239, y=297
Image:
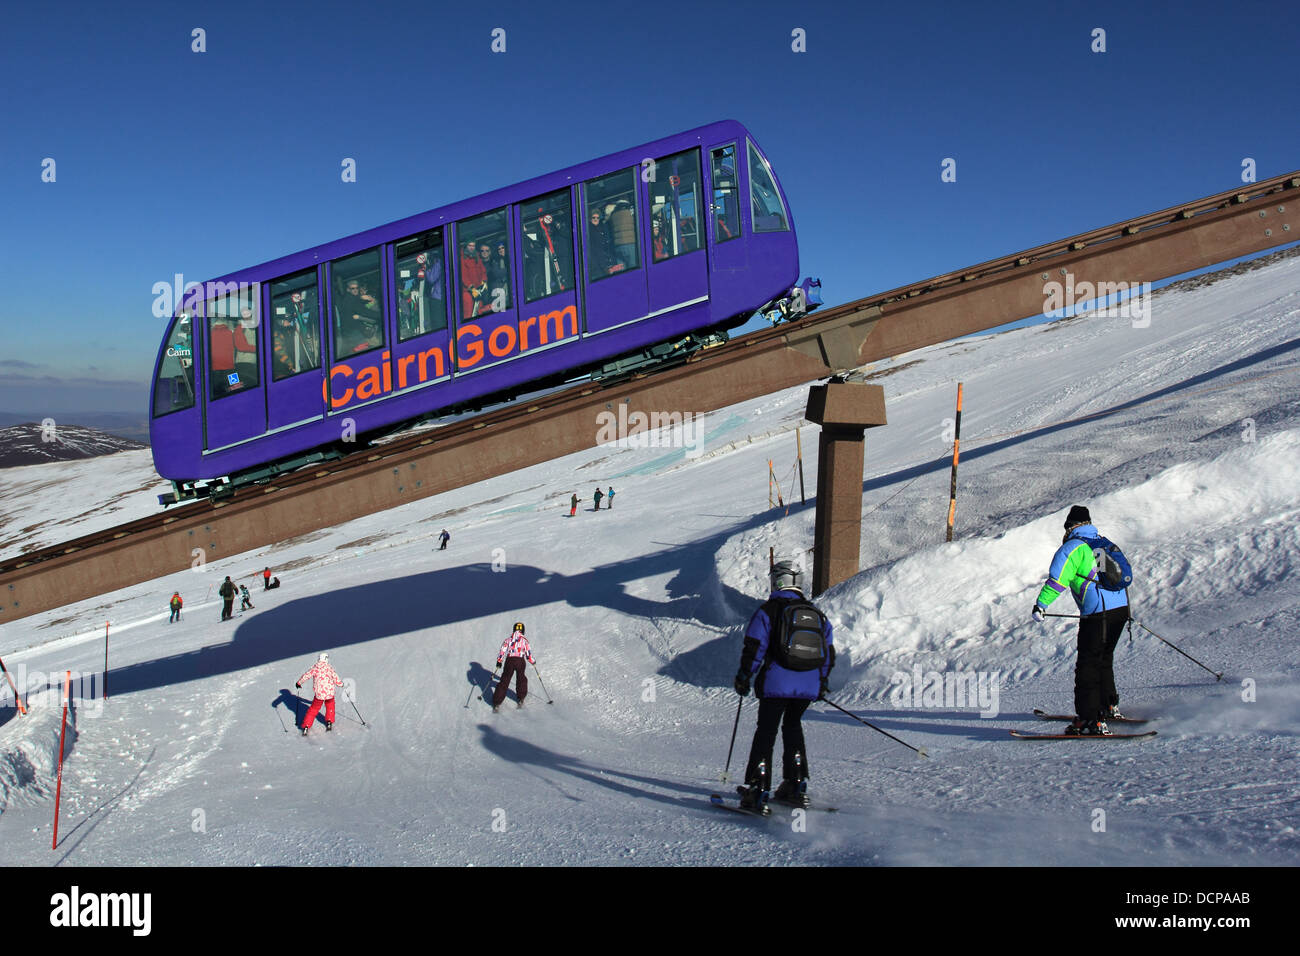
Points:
x=844, y=410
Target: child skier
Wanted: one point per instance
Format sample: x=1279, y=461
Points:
x=324, y=679
x=245, y=599
x=514, y=651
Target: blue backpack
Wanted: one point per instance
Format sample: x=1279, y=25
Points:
x=1113, y=571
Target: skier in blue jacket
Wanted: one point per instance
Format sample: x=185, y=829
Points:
x=788, y=655
x=1102, y=616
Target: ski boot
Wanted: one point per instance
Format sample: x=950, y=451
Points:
x=1112, y=713
x=754, y=799
x=496, y=708
x=329, y=725
x=519, y=705
x=304, y=731
x=792, y=794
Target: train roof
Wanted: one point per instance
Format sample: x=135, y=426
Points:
x=442, y=215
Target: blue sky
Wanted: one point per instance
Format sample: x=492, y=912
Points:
x=170, y=161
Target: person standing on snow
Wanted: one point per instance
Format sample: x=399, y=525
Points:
x=1102, y=616
x=443, y=539
x=266, y=579
x=323, y=681
x=788, y=654
x=176, y=603
x=573, y=505
x=597, y=496
x=245, y=599
x=227, y=592
x=610, y=503
x=514, y=651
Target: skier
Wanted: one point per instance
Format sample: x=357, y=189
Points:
x=597, y=496
x=227, y=592
x=266, y=579
x=443, y=539
x=323, y=681
x=514, y=651
x=610, y=503
x=1102, y=616
x=573, y=505
x=176, y=604
x=788, y=645
x=245, y=599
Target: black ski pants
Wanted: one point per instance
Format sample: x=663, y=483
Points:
x=514, y=665
x=1094, y=674
x=785, y=713
x=227, y=608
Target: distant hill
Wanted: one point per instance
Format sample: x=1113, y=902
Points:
x=26, y=444
x=130, y=425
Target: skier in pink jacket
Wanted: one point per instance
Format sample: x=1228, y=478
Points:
x=514, y=651
x=323, y=681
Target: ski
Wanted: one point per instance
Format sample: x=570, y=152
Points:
x=1044, y=715
x=1137, y=736
x=718, y=801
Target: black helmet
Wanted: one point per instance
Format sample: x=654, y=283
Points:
x=784, y=575
x=519, y=626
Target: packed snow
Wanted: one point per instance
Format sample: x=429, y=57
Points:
x=1181, y=436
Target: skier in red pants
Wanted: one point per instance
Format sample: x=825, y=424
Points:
x=514, y=650
x=323, y=681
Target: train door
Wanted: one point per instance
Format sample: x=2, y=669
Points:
x=549, y=310
x=615, y=277
x=235, y=391
x=297, y=373
x=728, y=254
x=487, y=331
x=674, y=234
x=422, y=344
x=359, y=372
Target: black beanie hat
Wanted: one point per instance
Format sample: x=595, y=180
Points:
x=1078, y=515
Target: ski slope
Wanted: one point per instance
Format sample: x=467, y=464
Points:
x=1183, y=438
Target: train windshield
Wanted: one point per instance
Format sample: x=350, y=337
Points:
x=769, y=212
x=173, y=387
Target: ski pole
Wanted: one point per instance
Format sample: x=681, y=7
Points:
x=919, y=750
x=1075, y=616
x=732, y=746
x=354, y=705
x=472, y=688
x=543, y=683
x=1218, y=676
x=297, y=707
x=17, y=697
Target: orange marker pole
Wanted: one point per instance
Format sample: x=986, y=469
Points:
x=17, y=697
x=956, y=451
x=58, y=788
x=106, y=660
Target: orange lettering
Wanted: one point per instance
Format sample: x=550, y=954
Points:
x=499, y=351
x=388, y=374
x=439, y=367
x=558, y=319
x=368, y=383
x=347, y=394
x=402, y=362
x=524, y=325
x=473, y=352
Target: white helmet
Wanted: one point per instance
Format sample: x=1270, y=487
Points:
x=323, y=657
x=784, y=576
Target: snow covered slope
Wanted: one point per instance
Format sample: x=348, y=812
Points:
x=1183, y=437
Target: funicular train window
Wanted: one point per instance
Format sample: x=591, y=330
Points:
x=726, y=212
x=295, y=325
x=173, y=390
x=421, y=298
x=548, y=245
x=611, y=225
x=769, y=214
x=484, y=264
x=674, y=206
x=358, y=309
x=232, y=339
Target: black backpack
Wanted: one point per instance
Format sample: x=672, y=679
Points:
x=797, y=641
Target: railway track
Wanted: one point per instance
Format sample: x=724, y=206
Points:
x=530, y=430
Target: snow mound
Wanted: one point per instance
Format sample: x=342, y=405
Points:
x=29, y=755
x=966, y=604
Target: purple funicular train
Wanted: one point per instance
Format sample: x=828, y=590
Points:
x=614, y=264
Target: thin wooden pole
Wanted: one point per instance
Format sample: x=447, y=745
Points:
x=58, y=788
x=798, y=443
x=956, y=452
x=17, y=697
x=106, y=660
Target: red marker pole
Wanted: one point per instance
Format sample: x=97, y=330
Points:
x=58, y=788
x=17, y=697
